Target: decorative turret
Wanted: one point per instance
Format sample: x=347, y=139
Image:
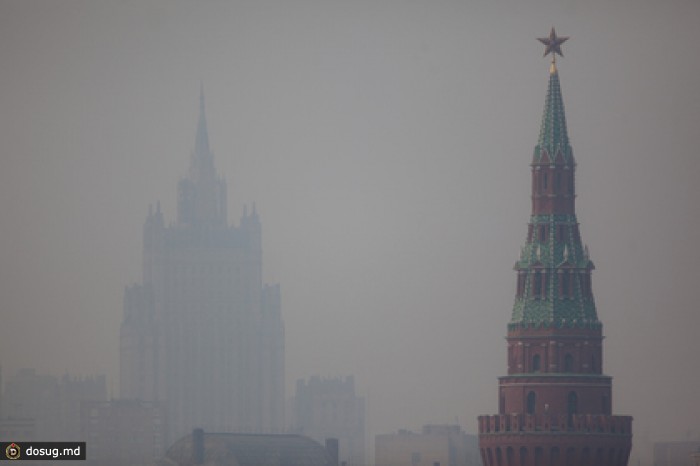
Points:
x=555, y=404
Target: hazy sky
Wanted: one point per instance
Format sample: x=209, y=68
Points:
x=386, y=144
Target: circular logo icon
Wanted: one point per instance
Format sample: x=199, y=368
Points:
x=12, y=451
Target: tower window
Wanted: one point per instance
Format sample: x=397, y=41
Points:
x=586, y=285
x=571, y=184
x=561, y=233
x=537, y=284
x=543, y=233
x=539, y=456
x=544, y=179
x=531, y=403
x=536, y=363
x=568, y=363
x=521, y=283
x=543, y=291
x=565, y=284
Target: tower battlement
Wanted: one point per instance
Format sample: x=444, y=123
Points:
x=507, y=424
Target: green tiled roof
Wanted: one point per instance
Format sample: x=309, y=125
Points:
x=554, y=268
x=553, y=135
x=554, y=257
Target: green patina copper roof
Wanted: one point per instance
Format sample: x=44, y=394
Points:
x=554, y=138
x=553, y=258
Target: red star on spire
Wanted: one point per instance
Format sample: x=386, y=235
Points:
x=552, y=44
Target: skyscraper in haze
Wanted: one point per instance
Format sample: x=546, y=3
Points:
x=201, y=334
x=555, y=404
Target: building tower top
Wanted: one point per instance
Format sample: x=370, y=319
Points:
x=202, y=195
x=554, y=269
x=553, y=139
x=201, y=145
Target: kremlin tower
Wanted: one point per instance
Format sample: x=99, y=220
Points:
x=555, y=404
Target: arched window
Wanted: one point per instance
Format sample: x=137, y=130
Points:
x=568, y=363
x=544, y=178
x=537, y=284
x=554, y=455
x=523, y=455
x=539, y=456
x=536, y=363
x=510, y=456
x=594, y=366
x=531, y=403
x=543, y=233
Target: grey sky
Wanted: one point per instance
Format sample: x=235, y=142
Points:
x=387, y=147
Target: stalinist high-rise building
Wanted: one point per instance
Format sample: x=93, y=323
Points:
x=202, y=334
x=555, y=403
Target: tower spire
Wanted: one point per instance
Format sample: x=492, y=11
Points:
x=202, y=195
x=553, y=140
x=201, y=144
x=553, y=273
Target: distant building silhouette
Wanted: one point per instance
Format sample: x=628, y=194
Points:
x=225, y=449
x=201, y=334
x=45, y=407
x=555, y=403
x=447, y=445
x=121, y=432
x=680, y=453
x=328, y=408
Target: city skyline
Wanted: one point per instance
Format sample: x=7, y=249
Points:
x=387, y=149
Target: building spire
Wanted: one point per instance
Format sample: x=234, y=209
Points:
x=202, y=195
x=201, y=145
x=553, y=271
x=553, y=139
